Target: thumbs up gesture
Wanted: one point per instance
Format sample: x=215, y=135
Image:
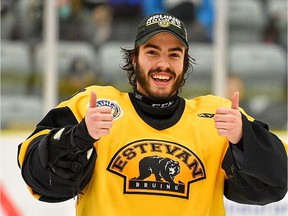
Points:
x=98, y=119
x=228, y=121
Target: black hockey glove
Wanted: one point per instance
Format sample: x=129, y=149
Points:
x=66, y=151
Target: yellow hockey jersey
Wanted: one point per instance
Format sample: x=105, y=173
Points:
x=189, y=154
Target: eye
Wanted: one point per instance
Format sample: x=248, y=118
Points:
x=175, y=55
x=151, y=52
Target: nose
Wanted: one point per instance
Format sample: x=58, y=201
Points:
x=163, y=63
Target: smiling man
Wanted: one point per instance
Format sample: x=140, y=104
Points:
x=150, y=151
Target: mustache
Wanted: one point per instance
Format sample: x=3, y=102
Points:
x=158, y=70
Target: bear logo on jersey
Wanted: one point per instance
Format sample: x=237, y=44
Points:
x=157, y=167
x=162, y=168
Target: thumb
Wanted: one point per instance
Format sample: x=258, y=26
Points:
x=93, y=100
x=235, y=101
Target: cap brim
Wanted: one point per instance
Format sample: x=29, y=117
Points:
x=148, y=36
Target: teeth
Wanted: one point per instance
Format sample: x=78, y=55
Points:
x=161, y=77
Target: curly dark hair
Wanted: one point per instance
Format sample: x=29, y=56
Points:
x=129, y=54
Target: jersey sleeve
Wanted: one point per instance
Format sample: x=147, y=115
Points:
x=256, y=168
x=58, y=158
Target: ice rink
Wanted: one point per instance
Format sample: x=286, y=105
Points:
x=26, y=205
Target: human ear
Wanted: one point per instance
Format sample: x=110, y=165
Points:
x=134, y=61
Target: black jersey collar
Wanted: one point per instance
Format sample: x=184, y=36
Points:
x=156, y=103
x=158, y=118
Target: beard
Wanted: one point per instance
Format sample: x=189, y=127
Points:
x=142, y=80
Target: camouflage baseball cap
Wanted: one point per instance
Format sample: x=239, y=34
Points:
x=163, y=22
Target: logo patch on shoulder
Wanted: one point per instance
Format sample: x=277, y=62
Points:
x=117, y=112
x=157, y=167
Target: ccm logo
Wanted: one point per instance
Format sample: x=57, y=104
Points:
x=206, y=115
